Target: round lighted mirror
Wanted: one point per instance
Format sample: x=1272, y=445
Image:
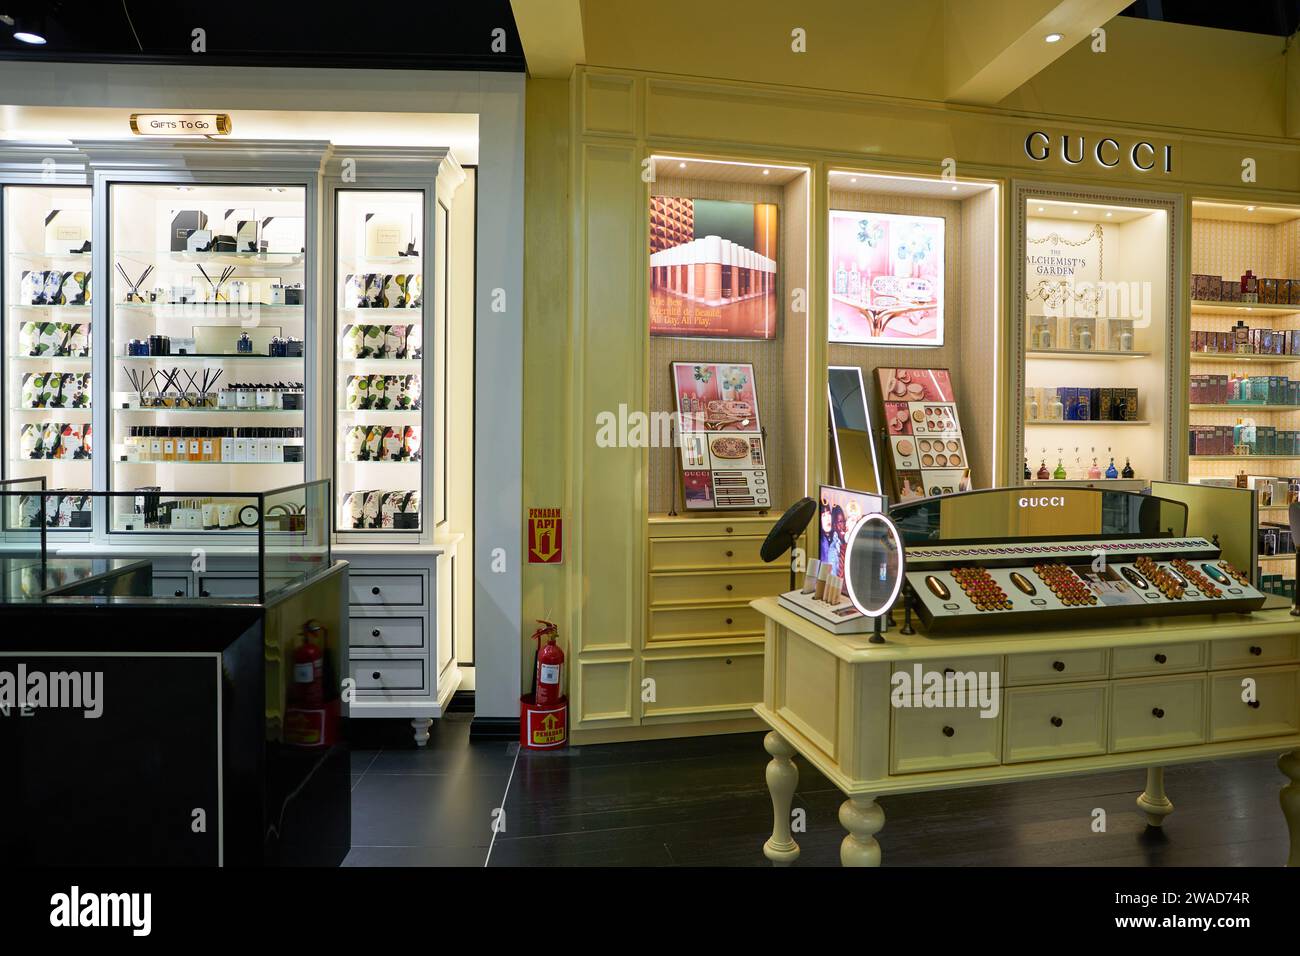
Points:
x=873, y=571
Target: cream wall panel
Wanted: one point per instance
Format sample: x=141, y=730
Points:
x=609, y=104
x=606, y=691
x=807, y=692
x=610, y=548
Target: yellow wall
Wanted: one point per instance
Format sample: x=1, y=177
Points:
x=585, y=220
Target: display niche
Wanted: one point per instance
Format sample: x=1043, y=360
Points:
x=1244, y=384
x=1095, y=329
x=208, y=336
x=912, y=306
x=727, y=242
x=47, y=295
x=380, y=304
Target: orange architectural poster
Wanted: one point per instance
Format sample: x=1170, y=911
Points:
x=545, y=536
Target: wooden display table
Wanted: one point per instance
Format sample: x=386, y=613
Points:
x=1145, y=693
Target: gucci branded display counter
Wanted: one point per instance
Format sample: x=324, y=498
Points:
x=1034, y=636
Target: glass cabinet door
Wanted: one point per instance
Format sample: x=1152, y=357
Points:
x=379, y=345
x=208, y=319
x=47, y=389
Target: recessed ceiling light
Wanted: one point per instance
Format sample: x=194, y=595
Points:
x=681, y=165
x=1040, y=208
x=1074, y=211
x=33, y=38
x=1054, y=37
x=766, y=171
x=853, y=179
x=954, y=188
x=184, y=189
x=1109, y=214
x=1250, y=209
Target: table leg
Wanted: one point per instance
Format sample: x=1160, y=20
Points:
x=420, y=726
x=1153, y=801
x=863, y=818
x=1289, y=764
x=782, y=777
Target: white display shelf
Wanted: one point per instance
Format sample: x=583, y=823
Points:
x=52, y=258
x=1237, y=357
x=79, y=311
x=80, y=361
x=202, y=359
x=1240, y=407
x=127, y=409
x=365, y=364
x=198, y=309
x=51, y=411
x=277, y=260
x=119, y=460
x=1085, y=355
x=1042, y=421
x=389, y=313
x=1201, y=307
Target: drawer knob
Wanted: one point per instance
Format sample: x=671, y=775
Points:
x=204, y=593
x=180, y=592
x=1058, y=666
x=948, y=731
x=1158, y=713
x=731, y=554
x=1253, y=703
x=728, y=660
x=728, y=531
x=728, y=620
x=374, y=632
x=728, y=587
x=1057, y=721
x=375, y=675
x=375, y=591
x=1256, y=650
x=1160, y=658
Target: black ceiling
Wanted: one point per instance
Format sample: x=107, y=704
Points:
x=372, y=34
x=1276, y=17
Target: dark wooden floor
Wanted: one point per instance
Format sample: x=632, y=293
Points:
x=702, y=802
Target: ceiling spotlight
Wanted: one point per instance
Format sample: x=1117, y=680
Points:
x=1054, y=37
x=1040, y=208
x=1109, y=214
x=1074, y=211
x=1250, y=209
x=27, y=29
x=954, y=188
x=766, y=171
x=35, y=39
x=853, y=179
x=681, y=165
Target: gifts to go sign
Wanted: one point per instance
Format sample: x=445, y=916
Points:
x=545, y=536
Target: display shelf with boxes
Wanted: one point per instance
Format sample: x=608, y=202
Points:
x=389, y=292
x=1092, y=334
x=208, y=322
x=47, y=295
x=1244, y=399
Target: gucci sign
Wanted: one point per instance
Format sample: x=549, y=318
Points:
x=1107, y=151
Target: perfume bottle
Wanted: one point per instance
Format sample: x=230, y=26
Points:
x=1031, y=404
x=1028, y=473
x=1128, y=470
x=1043, y=473
x=1059, y=474
x=1126, y=340
x=1085, y=338
x=1055, y=409
x=1095, y=471
x=1111, y=471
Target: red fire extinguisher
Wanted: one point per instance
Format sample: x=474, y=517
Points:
x=309, y=672
x=550, y=665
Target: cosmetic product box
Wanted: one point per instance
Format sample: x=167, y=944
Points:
x=293, y=295
x=1268, y=291
x=293, y=348
x=66, y=230
x=283, y=234
x=1230, y=291
x=291, y=401
x=200, y=240
x=183, y=346
x=185, y=222
x=1201, y=286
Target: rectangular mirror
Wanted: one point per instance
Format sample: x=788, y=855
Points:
x=853, y=447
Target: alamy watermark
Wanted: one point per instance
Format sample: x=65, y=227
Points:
x=948, y=688
x=25, y=691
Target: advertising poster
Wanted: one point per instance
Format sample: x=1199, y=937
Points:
x=713, y=268
x=886, y=279
x=722, y=457
x=926, y=451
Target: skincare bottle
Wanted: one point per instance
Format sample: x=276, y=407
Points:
x=227, y=447
x=823, y=575
x=810, y=574
x=196, y=445
x=207, y=448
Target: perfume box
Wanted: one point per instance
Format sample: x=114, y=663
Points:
x=200, y=240
x=1130, y=404
x=184, y=223
x=1229, y=291
x=283, y=234
x=388, y=235
x=1268, y=291
x=66, y=230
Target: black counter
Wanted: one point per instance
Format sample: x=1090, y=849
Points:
x=169, y=745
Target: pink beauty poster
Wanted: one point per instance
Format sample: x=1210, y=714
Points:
x=886, y=281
